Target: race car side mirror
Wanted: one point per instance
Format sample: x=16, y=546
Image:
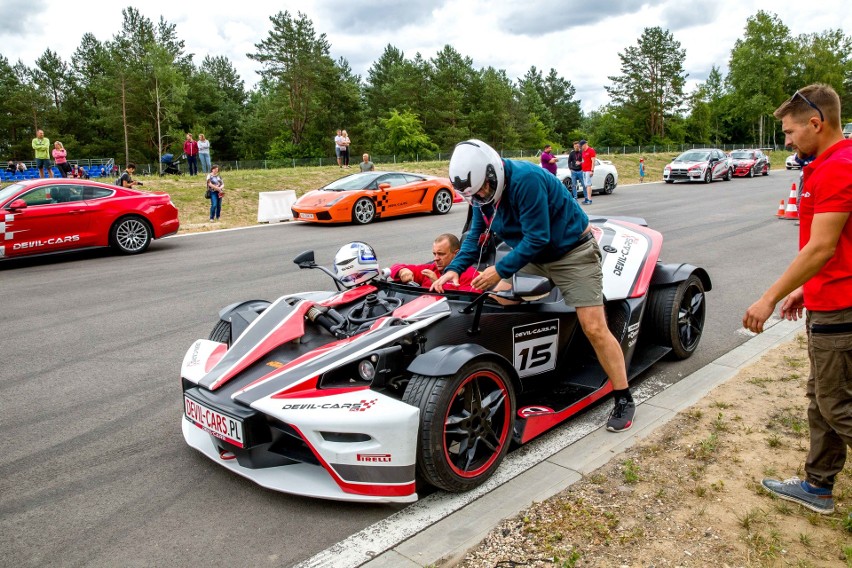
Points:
x=530, y=288
x=305, y=259
x=384, y=186
x=17, y=204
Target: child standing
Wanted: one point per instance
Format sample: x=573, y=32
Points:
x=641, y=170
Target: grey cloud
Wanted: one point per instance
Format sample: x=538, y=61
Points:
x=17, y=17
x=368, y=17
x=682, y=15
x=537, y=19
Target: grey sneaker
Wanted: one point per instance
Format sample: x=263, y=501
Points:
x=621, y=417
x=793, y=490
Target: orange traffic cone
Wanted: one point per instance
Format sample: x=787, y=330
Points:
x=792, y=211
x=781, y=209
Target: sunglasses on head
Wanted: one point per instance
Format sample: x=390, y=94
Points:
x=809, y=103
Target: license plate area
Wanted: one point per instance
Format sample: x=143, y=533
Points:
x=223, y=426
x=306, y=215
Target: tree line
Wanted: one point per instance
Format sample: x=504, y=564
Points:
x=135, y=96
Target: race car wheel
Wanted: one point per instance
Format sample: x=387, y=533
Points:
x=708, y=175
x=221, y=332
x=130, y=235
x=669, y=181
x=766, y=170
x=751, y=172
x=609, y=184
x=442, y=202
x=364, y=211
x=728, y=174
x=465, y=424
x=677, y=316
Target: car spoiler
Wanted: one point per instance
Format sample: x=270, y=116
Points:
x=635, y=220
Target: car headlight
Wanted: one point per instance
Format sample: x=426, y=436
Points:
x=375, y=369
x=367, y=368
x=334, y=201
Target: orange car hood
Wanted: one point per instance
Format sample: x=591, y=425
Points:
x=319, y=198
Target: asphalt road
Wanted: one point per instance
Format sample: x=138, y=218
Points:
x=93, y=467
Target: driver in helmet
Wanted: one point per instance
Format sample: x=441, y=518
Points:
x=550, y=235
x=355, y=263
x=444, y=250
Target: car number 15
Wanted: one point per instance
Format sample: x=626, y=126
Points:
x=534, y=347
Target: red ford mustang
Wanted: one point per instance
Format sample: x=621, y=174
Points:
x=53, y=215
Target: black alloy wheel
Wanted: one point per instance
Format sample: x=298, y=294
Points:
x=676, y=316
x=609, y=184
x=466, y=424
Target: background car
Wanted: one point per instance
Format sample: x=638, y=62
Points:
x=45, y=216
x=750, y=163
x=791, y=163
x=363, y=197
x=604, y=180
x=699, y=165
x=847, y=130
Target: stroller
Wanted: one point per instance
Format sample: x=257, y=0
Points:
x=171, y=165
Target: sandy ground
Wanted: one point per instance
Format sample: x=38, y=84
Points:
x=690, y=494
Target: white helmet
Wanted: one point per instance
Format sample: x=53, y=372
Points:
x=355, y=264
x=473, y=162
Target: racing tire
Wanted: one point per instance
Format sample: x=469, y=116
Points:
x=669, y=181
x=677, y=316
x=364, y=211
x=466, y=423
x=442, y=202
x=728, y=175
x=221, y=332
x=751, y=172
x=708, y=175
x=766, y=171
x=130, y=235
x=609, y=185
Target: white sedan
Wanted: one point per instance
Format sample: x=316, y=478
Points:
x=791, y=163
x=604, y=180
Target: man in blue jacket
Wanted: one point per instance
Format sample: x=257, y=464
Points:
x=550, y=235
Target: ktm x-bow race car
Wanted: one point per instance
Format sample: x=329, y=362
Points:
x=360, y=394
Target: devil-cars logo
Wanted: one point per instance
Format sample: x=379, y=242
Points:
x=350, y=406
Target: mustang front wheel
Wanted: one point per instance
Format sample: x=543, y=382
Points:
x=677, y=316
x=465, y=424
x=442, y=202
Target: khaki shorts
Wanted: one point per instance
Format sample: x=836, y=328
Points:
x=578, y=275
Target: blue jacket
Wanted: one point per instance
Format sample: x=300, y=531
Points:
x=536, y=216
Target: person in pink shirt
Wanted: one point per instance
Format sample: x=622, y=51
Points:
x=548, y=160
x=190, y=148
x=444, y=250
x=61, y=159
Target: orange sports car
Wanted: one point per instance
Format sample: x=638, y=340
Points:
x=360, y=198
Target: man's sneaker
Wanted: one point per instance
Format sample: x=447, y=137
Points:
x=797, y=491
x=621, y=417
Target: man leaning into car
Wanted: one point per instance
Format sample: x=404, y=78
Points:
x=550, y=235
x=820, y=280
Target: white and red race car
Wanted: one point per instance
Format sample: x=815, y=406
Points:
x=358, y=394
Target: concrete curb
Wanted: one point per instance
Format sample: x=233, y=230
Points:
x=448, y=540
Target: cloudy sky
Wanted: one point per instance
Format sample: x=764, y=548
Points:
x=581, y=39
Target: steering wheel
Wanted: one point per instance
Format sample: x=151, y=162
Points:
x=372, y=308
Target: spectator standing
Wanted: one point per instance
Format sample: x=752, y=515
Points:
x=575, y=164
x=217, y=192
x=126, y=179
x=190, y=148
x=344, y=153
x=11, y=167
x=366, y=165
x=641, y=170
x=204, y=153
x=588, y=171
x=549, y=235
x=60, y=156
x=548, y=160
x=338, y=147
x=820, y=280
x=41, y=146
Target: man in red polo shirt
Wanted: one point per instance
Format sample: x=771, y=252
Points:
x=588, y=170
x=820, y=280
x=444, y=250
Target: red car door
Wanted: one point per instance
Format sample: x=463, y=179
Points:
x=52, y=218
